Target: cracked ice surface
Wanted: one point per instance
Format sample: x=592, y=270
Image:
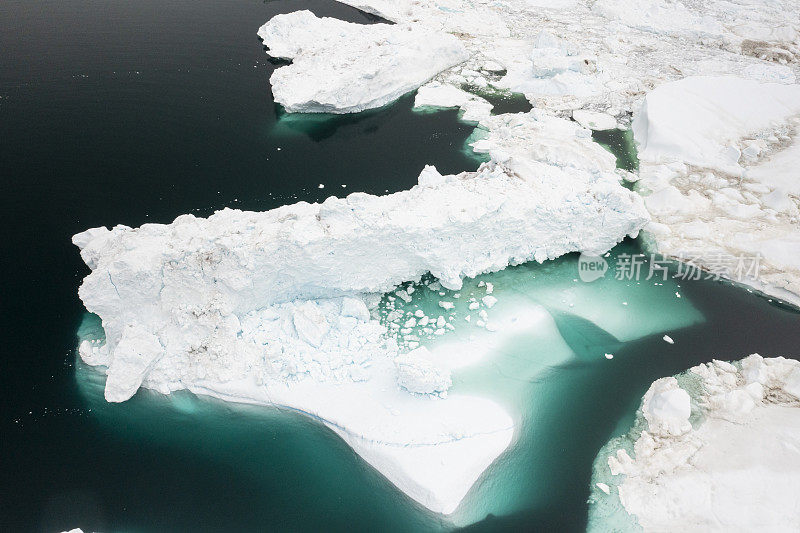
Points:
x=274, y=307
x=719, y=435
x=718, y=168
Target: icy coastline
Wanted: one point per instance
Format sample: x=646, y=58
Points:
x=703, y=444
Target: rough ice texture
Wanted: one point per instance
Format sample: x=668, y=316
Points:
x=718, y=168
x=341, y=67
x=272, y=307
x=726, y=458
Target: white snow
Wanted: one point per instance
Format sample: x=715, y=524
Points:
x=726, y=458
x=341, y=67
x=718, y=168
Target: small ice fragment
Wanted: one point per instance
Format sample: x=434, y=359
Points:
x=419, y=313
x=609, y=356
x=489, y=288
x=446, y=305
x=668, y=339
x=473, y=306
x=403, y=295
x=489, y=301
x=321, y=186
x=605, y=488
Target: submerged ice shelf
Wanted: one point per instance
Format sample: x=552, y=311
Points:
x=706, y=449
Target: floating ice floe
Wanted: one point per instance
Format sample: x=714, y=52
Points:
x=341, y=67
x=719, y=435
x=718, y=168
x=437, y=95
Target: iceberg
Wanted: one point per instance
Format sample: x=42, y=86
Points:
x=718, y=160
x=704, y=443
x=278, y=308
x=342, y=67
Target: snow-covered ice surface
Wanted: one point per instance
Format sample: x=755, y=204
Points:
x=719, y=170
x=707, y=450
x=330, y=58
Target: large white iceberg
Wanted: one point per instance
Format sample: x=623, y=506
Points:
x=274, y=307
x=341, y=67
x=718, y=168
x=717, y=444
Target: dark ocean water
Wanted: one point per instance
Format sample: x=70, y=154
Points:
x=132, y=112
